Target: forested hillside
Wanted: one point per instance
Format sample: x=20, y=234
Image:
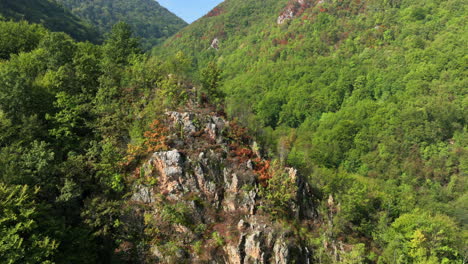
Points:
x=50, y=14
x=367, y=99
x=67, y=112
x=189, y=155
x=100, y=149
x=149, y=20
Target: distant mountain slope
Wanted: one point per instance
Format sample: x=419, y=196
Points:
x=50, y=14
x=231, y=20
x=149, y=20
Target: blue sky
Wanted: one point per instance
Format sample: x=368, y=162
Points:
x=190, y=10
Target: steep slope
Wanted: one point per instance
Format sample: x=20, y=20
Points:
x=106, y=158
x=205, y=199
x=51, y=15
x=368, y=98
x=149, y=20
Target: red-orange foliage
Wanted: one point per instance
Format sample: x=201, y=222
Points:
x=280, y=42
x=215, y=12
x=155, y=138
x=243, y=154
x=262, y=168
x=238, y=133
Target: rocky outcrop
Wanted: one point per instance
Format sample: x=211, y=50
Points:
x=215, y=44
x=293, y=9
x=260, y=242
x=206, y=202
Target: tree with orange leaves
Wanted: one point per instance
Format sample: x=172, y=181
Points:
x=156, y=137
x=154, y=140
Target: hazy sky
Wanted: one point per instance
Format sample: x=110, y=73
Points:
x=190, y=10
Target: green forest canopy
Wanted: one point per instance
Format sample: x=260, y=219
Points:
x=149, y=20
x=50, y=14
x=66, y=112
x=368, y=100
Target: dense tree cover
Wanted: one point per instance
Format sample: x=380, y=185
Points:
x=150, y=21
x=67, y=113
x=20, y=241
x=48, y=13
x=367, y=98
x=19, y=37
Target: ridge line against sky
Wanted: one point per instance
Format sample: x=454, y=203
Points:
x=189, y=10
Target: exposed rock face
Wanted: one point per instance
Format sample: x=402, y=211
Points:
x=183, y=119
x=286, y=15
x=206, y=203
x=215, y=44
x=293, y=9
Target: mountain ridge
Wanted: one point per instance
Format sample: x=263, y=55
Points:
x=149, y=20
x=51, y=15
